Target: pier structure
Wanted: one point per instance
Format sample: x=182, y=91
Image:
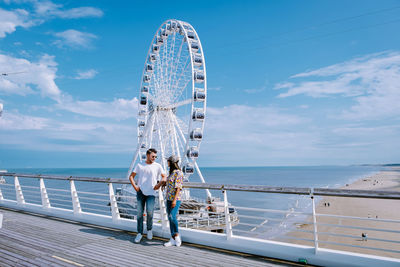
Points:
x=26, y=233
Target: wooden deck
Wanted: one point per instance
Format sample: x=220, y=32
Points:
x=28, y=239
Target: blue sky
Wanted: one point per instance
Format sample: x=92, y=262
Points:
x=289, y=82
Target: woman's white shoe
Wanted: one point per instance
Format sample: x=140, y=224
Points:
x=178, y=241
x=170, y=243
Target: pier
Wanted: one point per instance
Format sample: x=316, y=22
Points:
x=38, y=229
x=28, y=239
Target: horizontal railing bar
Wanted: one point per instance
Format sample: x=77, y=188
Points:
x=120, y=208
x=62, y=200
x=357, y=218
x=86, y=208
x=55, y=189
x=95, y=199
x=58, y=195
x=7, y=184
x=28, y=186
x=355, y=246
x=269, y=210
x=31, y=191
x=255, y=225
x=357, y=227
x=75, y=178
x=62, y=205
x=93, y=204
x=297, y=238
x=131, y=197
x=230, y=187
x=92, y=193
x=353, y=236
x=8, y=189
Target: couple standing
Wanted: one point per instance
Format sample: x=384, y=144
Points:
x=147, y=183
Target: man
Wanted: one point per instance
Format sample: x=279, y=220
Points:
x=147, y=176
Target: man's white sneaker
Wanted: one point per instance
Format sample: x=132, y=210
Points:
x=138, y=238
x=170, y=243
x=150, y=235
x=178, y=241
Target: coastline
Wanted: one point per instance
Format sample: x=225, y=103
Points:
x=388, y=180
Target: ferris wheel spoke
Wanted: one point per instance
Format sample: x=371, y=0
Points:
x=178, y=104
x=176, y=85
x=171, y=57
x=177, y=60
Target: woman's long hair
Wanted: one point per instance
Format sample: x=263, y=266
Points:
x=173, y=166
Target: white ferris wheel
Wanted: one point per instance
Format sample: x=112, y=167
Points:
x=172, y=97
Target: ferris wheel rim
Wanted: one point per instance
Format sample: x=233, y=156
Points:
x=185, y=28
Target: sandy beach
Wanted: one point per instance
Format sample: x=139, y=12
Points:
x=358, y=207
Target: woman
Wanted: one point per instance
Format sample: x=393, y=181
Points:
x=174, y=190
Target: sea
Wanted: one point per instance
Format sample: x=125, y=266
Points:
x=275, y=224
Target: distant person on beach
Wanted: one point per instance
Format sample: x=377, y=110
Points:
x=364, y=236
x=174, y=192
x=148, y=175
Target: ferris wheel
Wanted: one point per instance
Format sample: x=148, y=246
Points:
x=172, y=97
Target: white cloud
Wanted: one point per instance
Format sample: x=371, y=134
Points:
x=373, y=81
x=119, y=109
x=45, y=134
x=74, y=39
x=10, y=20
x=15, y=121
x=24, y=74
x=49, y=9
x=88, y=74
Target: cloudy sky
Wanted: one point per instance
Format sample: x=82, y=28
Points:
x=290, y=82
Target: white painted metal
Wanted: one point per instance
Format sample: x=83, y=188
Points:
x=18, y=191
x=228, y=225
x=44, y=195
x=314, y=222
x=75, y=199
x=113, y=203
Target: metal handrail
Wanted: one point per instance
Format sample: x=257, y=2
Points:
x=377, y=194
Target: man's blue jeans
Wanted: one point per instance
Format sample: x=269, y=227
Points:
x=172, y=212
x=143, y=200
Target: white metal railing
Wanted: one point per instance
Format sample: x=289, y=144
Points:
x=236, y=221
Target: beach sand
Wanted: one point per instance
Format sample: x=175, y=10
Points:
x=358, y=207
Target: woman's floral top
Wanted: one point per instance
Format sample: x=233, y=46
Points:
x=174, y=181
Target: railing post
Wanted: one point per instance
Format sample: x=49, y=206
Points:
x=113, y=203
x=1, y=195
x=75, y=200
x=163, y=210
x=314, y=221
x=18, y=191
x=228, y=224
x=43, y=194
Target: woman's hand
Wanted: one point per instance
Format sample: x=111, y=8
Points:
x=173, y=204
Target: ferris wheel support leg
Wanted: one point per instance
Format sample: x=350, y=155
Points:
x=202, y=179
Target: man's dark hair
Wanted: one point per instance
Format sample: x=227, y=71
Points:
x=151, y=150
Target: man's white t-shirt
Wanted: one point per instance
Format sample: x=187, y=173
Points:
x=147, y=177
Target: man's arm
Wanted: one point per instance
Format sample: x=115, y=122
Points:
x=131, y=177
x=161, y=183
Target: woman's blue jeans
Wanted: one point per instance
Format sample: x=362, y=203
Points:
x=172, y=212
x=143, y=200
